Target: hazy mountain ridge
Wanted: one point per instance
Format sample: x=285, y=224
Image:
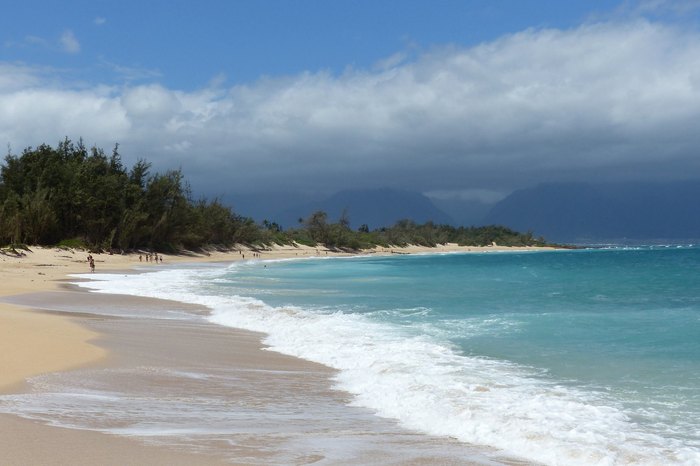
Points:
x=586, y=211
x=375, y=208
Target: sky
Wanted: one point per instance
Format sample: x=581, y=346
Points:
x=468, y=99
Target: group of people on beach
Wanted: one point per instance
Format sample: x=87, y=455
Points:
x=91, y=262
x=255, y=254
x=151, y=257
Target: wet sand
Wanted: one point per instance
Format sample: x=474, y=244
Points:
x=24, y=442
x=278, y=409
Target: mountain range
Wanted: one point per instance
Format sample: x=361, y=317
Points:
x=589, y=212
x=375, y=208
x=560, y=212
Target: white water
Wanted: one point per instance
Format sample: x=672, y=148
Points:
x=424, y=383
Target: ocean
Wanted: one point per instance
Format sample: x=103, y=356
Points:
x=570, y=357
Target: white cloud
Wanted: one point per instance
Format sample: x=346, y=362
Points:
x=601, y=100
x=69, y=43
x=30, y=117
x=99, y=21
x=181, y=146
x=662, y=6
x=36, y=41
x=391, y=62
x=16, y=77
x=152, y=103
x=130, y=74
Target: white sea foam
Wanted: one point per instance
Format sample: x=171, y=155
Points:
x=425, y=384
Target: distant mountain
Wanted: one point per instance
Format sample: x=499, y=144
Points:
x=375, y=207
x=464, y=212
x=583, y=212
x=265, y=205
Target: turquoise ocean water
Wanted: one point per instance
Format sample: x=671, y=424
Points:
x=564, y=357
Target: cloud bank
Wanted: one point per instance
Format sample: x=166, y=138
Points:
x=602, y=101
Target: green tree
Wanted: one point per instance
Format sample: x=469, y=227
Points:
x=317, y=226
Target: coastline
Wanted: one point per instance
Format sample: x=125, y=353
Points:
x=42, y=342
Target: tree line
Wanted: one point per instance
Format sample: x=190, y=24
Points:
x=79, y=197
x=316, y=229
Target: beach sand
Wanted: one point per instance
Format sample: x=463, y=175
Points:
x=48, y=327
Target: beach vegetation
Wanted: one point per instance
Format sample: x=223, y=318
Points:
x=76, y=197
x=72, y=194
x=72, y=243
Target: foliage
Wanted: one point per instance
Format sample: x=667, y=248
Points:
x=72, y=243
x=75, y=197
x=316, y=229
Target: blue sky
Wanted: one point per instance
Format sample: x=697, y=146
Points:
x=466, y=99
x=185, y=44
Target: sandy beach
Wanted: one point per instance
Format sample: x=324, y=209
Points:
x=49, y=327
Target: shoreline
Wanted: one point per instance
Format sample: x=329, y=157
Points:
x=38, y=335
x=73, y=341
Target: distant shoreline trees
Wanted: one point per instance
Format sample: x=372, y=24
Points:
x=77, y=197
